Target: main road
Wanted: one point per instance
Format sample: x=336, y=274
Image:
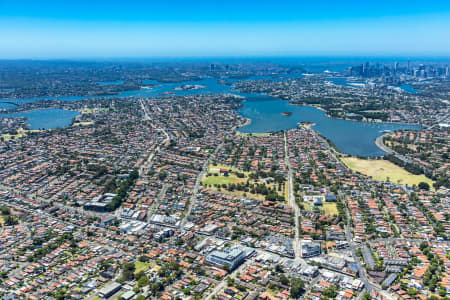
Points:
x=198, y=181
x=147, y=117
x=291, y=199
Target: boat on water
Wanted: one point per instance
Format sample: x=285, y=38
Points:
x=386, y=131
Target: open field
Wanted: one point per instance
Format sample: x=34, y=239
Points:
x=20, y=133
x=141, y=266
x=252, y=134
x=83, y=123
x=327, y=208
x=93, y=110
x=7, y=137
x=390, y=144
x=330, y=208
x=2, y=221
x=220, y=179
x=380, y=169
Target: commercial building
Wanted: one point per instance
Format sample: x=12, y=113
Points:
x=100, y=203
x=232, y=257
x=310, y=249
x=109, y=290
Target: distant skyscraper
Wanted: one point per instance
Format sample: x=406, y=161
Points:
x=366, y=69
x=447, y=72
x=396, y=67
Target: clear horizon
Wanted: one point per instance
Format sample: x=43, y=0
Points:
x=235, y=29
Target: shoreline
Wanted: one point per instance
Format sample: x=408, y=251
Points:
x=79, y=113
x=309, y=105
x=248, y=121
x=307, y=125
x=381, y=145
x=381, y=122
x=36, y=109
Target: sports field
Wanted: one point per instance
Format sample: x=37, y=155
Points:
x=383, y=170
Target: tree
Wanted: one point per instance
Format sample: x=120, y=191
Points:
x=297, y=287
x=424, y=186
x=128, y=271
x=366, y=296
x=279, y=269
x=4, y=210
x=186, y=291
x=144, y=258
x=156, y=287
x=10, y=220
x=284, y=280
x=226, y=267
x=162, y=175
x=330, y=292
x=423, y=245
x=143, y=281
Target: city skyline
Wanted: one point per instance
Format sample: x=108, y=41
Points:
x=200, y=29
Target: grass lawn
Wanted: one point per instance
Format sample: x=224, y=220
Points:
x=221, y=179
x=119, y=297
x=83, y=123
x=20, y=133
x=327, y=208
x=232, y=178
x=141, y=266
x=380, y=169
x=286, y=191
x=7, y=137
x=92, y=110
x=96, y=298
x=2, y=221
x=330, y=208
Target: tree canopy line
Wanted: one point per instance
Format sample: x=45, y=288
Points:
x=419, y=170
x=270, y=193
x=8, y=219
x=121, y=188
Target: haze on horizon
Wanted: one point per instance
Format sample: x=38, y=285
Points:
x=105, y=29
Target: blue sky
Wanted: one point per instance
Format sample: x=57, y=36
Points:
x=128, y=28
